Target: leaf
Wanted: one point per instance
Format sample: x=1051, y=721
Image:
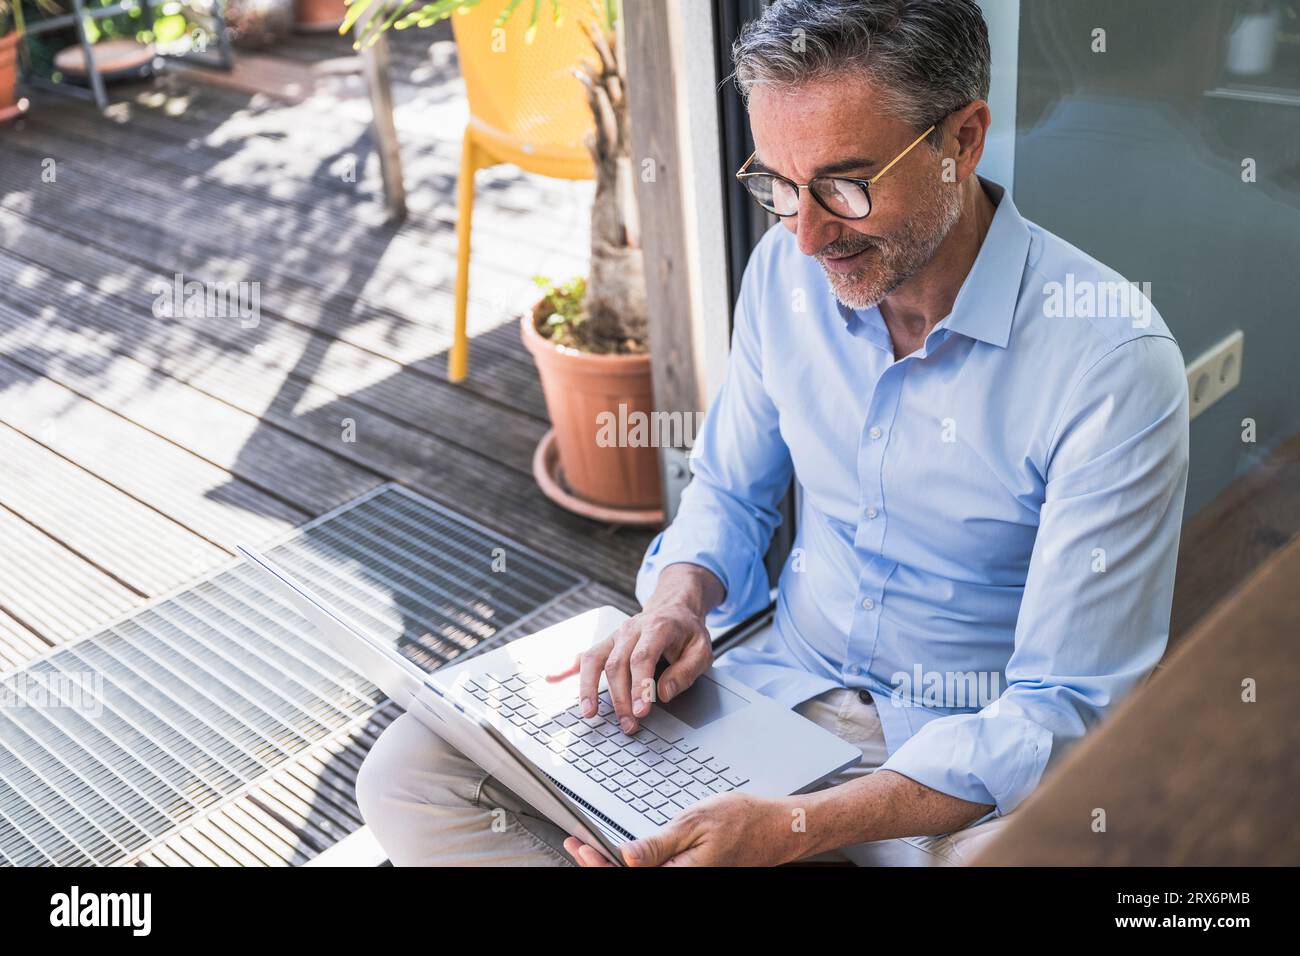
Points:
x=532, y=23
x=506, y=13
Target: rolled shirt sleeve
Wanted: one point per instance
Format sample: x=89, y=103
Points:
x=741, y=468
x=1094, y=618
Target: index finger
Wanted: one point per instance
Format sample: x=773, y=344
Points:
x=645, y=658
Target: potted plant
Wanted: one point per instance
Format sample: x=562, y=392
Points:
x=11, y=29
x=588, y=336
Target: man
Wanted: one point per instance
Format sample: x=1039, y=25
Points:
x=989, y=432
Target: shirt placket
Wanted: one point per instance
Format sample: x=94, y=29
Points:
x=873, y=517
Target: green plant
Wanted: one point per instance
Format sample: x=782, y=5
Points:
x=612, y=317
x=11, y=14
x=11, y=17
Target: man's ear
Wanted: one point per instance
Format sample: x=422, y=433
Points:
x=964, y=132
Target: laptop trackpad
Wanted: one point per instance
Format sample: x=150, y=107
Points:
x=704, y=702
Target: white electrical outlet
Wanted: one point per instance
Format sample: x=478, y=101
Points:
x=1215, y=373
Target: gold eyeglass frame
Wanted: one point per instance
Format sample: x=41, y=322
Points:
x=866, y=184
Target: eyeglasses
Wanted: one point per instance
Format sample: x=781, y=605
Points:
x=839, y=196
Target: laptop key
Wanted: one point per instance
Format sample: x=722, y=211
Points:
x=652, y=759
x=659, y=746
x=699, y=791
x=640, y=789
x=622, y=758
x=721, y=786
x=655, y=817
x=637, y=769
x=651, y=778
x=735, y=779
x=673, y=755
x=640, y=806
x=624, y=779
x=656, y=800
x=609, y=784
x=690, y=765
x=681, y=779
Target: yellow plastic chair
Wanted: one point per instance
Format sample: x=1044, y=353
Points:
x=526, y=108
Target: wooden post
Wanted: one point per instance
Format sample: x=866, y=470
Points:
x=652, y=98
x=374, y=58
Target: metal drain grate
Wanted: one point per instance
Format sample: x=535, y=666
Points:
x=111, y=743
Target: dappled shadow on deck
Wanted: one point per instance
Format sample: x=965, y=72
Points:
x=219, y=430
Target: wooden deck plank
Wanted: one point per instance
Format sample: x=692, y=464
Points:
x=500, y=370
x=514, y=210
x=325, y=264
x=57, y=496
x=276, y=350
x=204, y=498
x=18, y=643
x=302, y=474
x=498, y=496
x=58, y=606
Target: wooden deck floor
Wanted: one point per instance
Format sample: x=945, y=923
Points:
x=135, y=452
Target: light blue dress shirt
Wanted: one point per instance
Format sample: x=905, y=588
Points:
x=987, y=528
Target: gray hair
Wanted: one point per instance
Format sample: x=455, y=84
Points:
x=926, y=57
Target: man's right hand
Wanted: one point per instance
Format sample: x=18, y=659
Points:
x=670, y=627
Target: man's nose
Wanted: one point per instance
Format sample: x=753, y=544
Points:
x=814, y=226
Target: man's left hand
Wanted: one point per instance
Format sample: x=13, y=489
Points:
x=730, y=829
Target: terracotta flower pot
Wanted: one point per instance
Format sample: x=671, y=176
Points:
x=317, y=16
x=584, y=393
x=8, y=72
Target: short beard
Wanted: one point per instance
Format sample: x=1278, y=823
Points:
x=897, y=257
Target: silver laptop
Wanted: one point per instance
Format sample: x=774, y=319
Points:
x=583, y=773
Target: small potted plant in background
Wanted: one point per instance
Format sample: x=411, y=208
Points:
x=588, y=335
x=11, y=28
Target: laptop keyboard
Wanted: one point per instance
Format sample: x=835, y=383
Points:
x=655, y=775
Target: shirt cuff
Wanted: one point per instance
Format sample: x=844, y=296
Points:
x=725, y=553
x=997, y=760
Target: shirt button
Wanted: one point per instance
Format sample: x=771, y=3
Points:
x=865, y=697
x=854, y=670
x=875, y=431
x=872, y=512
x=868, y=604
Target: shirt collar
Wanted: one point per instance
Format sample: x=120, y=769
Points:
x=986, y=302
